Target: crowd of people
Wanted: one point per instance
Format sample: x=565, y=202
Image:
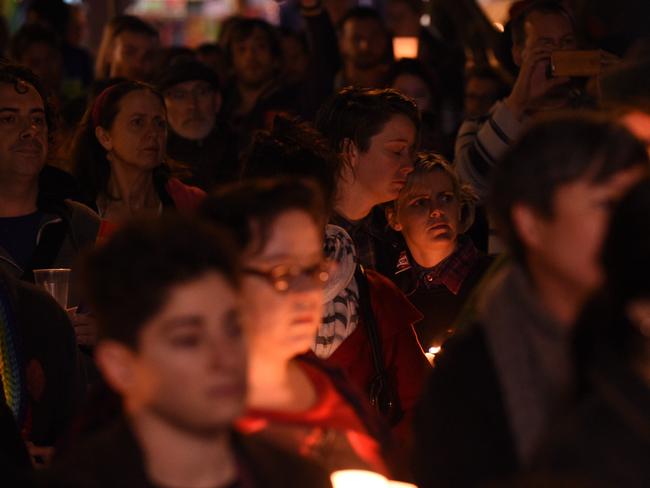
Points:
x=292, y=254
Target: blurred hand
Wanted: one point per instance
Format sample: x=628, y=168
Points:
x=85, y=327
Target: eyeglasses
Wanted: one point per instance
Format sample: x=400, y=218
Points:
x=285, y=277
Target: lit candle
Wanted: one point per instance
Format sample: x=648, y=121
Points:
x=431, y=353
x=356, y=478
x=405, y=47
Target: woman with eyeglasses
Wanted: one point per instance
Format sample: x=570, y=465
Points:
x=294, y=400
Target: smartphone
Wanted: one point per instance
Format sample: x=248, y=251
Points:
x=576, y=63
x=405, y=47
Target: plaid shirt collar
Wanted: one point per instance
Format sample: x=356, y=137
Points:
x=451, y=272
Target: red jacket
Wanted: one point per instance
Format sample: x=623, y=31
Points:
x=404, y=359
x=330, y=432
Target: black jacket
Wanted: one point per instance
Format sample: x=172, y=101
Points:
x=48, y=352
x=112, y=458
x=606, y=440
x=14, y=460
x=211, y=161
x=462, y=434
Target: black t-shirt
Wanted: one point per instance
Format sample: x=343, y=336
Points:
x=18, y=236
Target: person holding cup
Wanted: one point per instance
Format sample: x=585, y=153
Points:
x=39, y=229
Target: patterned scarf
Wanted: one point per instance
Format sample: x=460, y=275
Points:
x=340, y=312
x=11, y=372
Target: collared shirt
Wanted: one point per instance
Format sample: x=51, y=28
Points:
x=451, y=272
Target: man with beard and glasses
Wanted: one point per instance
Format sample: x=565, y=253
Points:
x=196, y=137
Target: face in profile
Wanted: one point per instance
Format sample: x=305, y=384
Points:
x=23, y=145
x=139, y=133
x=253, y=60
x=133, y=56
x=567, y=243
x=189, y=367
x=192, y=108
x=283, y=288
x=381, y=171
x=428, y=214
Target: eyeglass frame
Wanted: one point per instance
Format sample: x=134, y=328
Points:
x=320, y=274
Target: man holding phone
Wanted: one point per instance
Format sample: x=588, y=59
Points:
x=540, y=29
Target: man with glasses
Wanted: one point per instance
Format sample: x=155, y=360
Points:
x=193, y=99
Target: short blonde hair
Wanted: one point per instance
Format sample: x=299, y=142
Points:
x=425, y=164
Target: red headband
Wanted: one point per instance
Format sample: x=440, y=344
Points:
x=100, y=101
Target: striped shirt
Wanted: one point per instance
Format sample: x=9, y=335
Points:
x=482, y=141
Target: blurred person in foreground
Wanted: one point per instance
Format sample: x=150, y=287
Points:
x=343, y=339
x=294, y=400
x=175, y=357
x=606, y=439
x=498, y=384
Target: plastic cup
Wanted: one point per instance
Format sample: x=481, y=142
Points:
x=56, y=282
